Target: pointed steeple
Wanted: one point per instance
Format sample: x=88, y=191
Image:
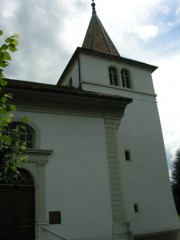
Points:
x=97, y=38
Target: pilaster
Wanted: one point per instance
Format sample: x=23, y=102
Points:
x=121, y=228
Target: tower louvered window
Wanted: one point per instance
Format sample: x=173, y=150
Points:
x=113, y=78
x=125, y=78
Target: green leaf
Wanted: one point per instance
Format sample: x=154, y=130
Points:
x=16, y=35
x=13, y=167
x=8, y=95
x=15, y=42
x=4, y=47
x=3, y=82
x=8, y=40
x=25, y=120
x=22, y=127
x=12, y=48
x=1, y=73
x=12, y=107
x=11, y=115
x=3, y=64
x=3, y=99
x=8, y=120
x=11, y=146
x=7, y=56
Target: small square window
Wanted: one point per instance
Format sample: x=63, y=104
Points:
x=127, y=155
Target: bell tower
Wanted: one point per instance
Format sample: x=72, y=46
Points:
x=141, y=198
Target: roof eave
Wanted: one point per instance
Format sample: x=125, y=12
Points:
x=36, y=88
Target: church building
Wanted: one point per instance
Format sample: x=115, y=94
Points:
x=97, y=167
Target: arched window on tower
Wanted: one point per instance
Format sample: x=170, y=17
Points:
x=125, y=78
x=113, y=78
x=27, y=135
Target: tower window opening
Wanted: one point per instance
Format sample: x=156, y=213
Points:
x=113, y=78
x=125, y=78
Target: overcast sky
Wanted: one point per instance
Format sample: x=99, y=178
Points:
x=144, y=30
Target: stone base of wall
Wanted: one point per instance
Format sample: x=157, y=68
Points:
x=170, y=235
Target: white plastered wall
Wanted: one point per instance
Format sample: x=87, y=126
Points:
x=76, y=176
x=74, y=75
x=145, y=178
x=95, y=70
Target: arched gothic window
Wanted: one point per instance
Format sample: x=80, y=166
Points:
x=125, y=78
x=113, y=78
x=27, y=136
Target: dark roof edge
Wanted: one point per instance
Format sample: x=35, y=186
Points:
x=54, y=89
x=70, y=64
x=79, y=50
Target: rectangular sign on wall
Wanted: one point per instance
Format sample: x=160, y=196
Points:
x=55, y=217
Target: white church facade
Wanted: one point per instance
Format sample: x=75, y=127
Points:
x=97, y=168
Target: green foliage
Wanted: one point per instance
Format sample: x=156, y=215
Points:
x=176, y=180
x=176, y=168
x=11, y=146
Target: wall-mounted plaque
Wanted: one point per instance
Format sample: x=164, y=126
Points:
x=55, y=217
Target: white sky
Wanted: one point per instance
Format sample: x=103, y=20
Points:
x=144, y=30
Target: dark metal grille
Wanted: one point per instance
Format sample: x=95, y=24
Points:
x=23, y=178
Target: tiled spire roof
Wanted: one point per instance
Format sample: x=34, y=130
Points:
x=97, y=38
